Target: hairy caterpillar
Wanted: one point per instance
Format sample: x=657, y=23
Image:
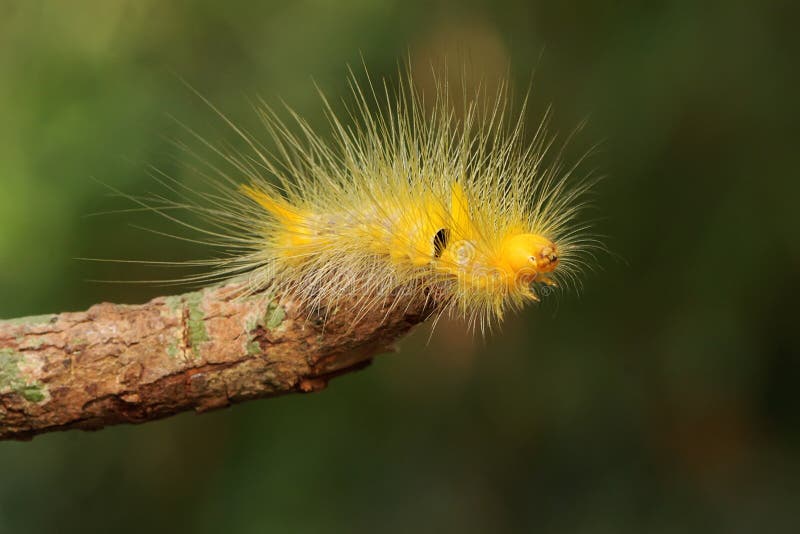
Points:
x=410, y=199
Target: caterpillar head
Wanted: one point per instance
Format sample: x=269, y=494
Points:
x=529, y=254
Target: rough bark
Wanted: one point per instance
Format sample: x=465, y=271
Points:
x=200, y=351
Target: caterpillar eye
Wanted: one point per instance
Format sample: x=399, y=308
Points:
x=440, y=241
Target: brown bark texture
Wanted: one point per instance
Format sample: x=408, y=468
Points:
x=199, y=351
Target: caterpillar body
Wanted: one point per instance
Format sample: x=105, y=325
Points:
x=443, y=202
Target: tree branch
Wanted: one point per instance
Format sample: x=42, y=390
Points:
x=204, y=350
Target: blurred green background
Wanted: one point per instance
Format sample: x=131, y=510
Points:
x=664, y=398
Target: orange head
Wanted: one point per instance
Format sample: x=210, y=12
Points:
x=529, y=254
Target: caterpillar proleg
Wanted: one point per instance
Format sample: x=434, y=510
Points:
x=408, y=197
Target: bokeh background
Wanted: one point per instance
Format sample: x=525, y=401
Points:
x=664, y=398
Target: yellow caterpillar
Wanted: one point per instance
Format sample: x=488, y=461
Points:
x=443, y=202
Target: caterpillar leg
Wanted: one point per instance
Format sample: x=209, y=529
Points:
x=546, y=280
x=532, y=295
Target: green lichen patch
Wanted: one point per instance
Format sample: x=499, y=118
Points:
x=188, y=306
x=274, y=316
x=271, y=319
x=12, y=381
x=253, y=347
x=32, y=320
x=251, y=322
x=197, y=327
x=32, y=393
x=174, y=303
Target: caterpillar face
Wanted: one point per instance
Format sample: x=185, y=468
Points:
x=526, y=252
x=521, y=260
